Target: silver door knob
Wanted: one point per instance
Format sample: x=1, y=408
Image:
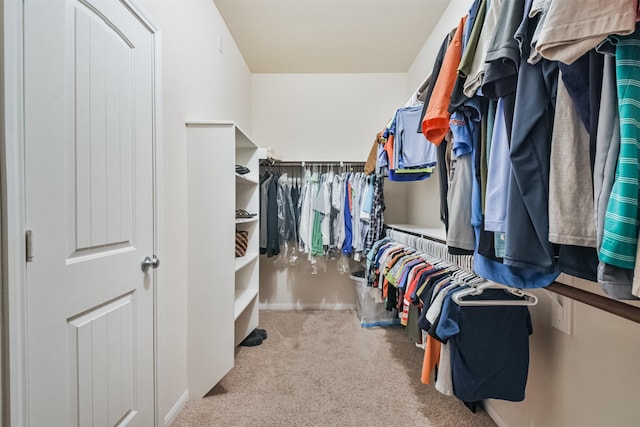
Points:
x=150, y=263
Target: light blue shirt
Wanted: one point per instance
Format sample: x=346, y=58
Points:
x=498, y=177
x=412, y=149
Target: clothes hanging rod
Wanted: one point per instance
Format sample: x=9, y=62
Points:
x=309, y=163
x=618, y=308
x=425, y=233
x=609, y=305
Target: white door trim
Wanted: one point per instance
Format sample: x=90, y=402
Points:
x=13, y=218
x=12, y=189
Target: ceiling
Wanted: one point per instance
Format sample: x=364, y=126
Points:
x=330, y=36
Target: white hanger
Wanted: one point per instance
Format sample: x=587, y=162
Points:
x=462, y=276
x=528, y=299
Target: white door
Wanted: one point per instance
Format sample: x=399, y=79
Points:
x=89, y=142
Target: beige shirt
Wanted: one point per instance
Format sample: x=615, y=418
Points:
x=572, y=28
x=571, y=220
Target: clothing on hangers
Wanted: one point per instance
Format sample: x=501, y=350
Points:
x=325, y=214
x=413, y=276
x=505, y=119
x=489, y=348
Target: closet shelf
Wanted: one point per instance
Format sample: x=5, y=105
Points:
x=246, y=179
x=246, y=220
x=300, y=163
x=241, y=138
x=242, y=301
x=432, y=233
x=243, y=261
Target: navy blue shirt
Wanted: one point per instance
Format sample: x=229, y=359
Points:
x=489, y=347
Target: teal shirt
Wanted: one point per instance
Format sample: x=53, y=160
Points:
x=620, y=237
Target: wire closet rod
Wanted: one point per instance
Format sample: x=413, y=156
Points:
x=612, y=306
x=415, y=233
x=302, y=163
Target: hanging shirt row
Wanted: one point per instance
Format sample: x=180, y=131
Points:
x=531, y=108
x=478, y=337
x=320, y=215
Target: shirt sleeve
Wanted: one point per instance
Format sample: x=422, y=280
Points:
x=448, y=325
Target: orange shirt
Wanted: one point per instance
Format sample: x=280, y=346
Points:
x=431, y=358
x=435, y=124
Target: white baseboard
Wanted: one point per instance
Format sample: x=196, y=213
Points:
x=303, y=306
x=177, y=407
x=500, y=422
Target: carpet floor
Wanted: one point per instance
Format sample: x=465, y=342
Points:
x=320, y=368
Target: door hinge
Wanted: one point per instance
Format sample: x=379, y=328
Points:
x=28, y=238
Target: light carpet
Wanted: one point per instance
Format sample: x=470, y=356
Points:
x=320, y=368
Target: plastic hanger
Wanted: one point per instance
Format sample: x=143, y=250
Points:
x=528, y=299
x=463, y=277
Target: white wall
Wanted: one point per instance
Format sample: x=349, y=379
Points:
x=198, y=83
x=423, y=202
x=296, y=288
x=396, y=197
x=324, y=116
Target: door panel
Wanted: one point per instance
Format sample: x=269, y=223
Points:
x=102, y=350
x=89, y=201
x=104, y=106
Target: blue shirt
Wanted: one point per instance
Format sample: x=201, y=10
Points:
x=499, y=175
x=411, y=149
x=347, y=247
x=406, y=177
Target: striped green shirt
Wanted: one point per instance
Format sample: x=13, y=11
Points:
x=621, y=221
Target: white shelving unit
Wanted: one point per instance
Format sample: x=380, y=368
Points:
x=246, y=268
x=242, y=262
x=244, y=297
x=222, y=289
x=242, y=179
x=247, y=220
